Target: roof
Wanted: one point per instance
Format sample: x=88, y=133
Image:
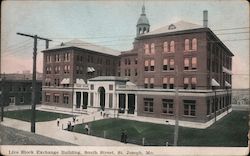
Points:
x=108, y=78
x=143, y=18
x=178, y=26
x=85, y=45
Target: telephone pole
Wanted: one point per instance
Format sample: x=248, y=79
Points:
x=33, y=98
x=176, y=128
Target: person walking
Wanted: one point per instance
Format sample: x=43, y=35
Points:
x=122, y=136
x=87, y=128
x=58, y=122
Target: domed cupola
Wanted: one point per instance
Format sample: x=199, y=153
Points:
x=142, y=23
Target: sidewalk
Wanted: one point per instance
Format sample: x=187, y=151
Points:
x=51, y=130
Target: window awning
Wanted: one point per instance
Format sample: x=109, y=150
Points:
x=214, y=83
x=80, y=81
x=227, y=84
x=90, y=69
x=65, y=81
x=225, y=70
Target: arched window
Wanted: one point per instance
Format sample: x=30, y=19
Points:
x=146, y=49
x=194, y=44
x=172, y=48
x=186, y=45
x=152, y=48
x=139, y=30
x=144, y=30
x=165, y=47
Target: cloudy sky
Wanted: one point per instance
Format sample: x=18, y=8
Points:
x=113, y=24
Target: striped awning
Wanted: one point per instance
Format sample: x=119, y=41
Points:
x=214, y=83
x=65, y=81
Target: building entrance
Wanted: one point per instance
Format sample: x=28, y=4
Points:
x=78, y=99
x=101, y=91
x=85, y=100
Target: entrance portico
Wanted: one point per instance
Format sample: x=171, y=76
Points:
x=106, y=93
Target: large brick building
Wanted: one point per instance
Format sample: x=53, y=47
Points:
x=182, y=69
x=16, y=89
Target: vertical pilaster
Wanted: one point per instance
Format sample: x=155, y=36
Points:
x=135, y=112
x=126, y=104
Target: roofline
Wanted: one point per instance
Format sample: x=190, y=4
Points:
x=74, y=47
x=204, y=29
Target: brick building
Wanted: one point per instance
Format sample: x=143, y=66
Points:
x=17, y=90
x=72, y=64
x=182, y=69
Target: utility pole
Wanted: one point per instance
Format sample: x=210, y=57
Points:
x=2, y=97
x=176, y=128
x=33, y=98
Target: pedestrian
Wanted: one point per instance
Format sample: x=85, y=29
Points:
x=74, y=119
x=58, y=122
x=125, y=137
x=101, y=112
x=68, y=126
x=87, y=128
x=122, y=136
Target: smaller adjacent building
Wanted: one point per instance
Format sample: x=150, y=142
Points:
x=17, y=90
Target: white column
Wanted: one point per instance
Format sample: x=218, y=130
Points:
x=96, y=100
x=135, y=112
x=88, y=98
x=107, y=100
x=126, y=103
x=82, y=98
x=74, y=100
x=117, y=101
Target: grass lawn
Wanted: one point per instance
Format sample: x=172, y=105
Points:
x=25, y=115
x=229, y=131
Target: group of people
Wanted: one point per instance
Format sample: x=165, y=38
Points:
x=124, y=136
x=104, y=114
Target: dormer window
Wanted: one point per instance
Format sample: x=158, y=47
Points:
x=171, y=27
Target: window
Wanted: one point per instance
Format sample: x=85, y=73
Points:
x=47, y=97
x=187, y=45
x=171, y=64
x=57, y=82
x=110, y=87
x=136, y=72
x=165, y=64
x=186, y=82
x=146, y=48
x=129, y=72
x=136, y=60
x=165, y=47
x=146, y=83
x=125, y=61
x=152, y=65
x=171, y=83
x=21, y=99
x=189, y=107
x=213, y=105
x=208, y=107
x=186, y=63
x=110, y=100
x=167, y=106
x=125, y=72
x=56, y=98
x=148, y=104
x=152, y=81
x=194, y=63
x=66, y=99
x=77, y=70
x=194, y=44
x=193, y=82
x=165, y=83
x=146, y=64
x=129, y=62
x=152, y=48
x=172, y=47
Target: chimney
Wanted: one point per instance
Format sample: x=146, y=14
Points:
x=205, y=19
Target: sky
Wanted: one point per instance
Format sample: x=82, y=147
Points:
x=113, y=24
